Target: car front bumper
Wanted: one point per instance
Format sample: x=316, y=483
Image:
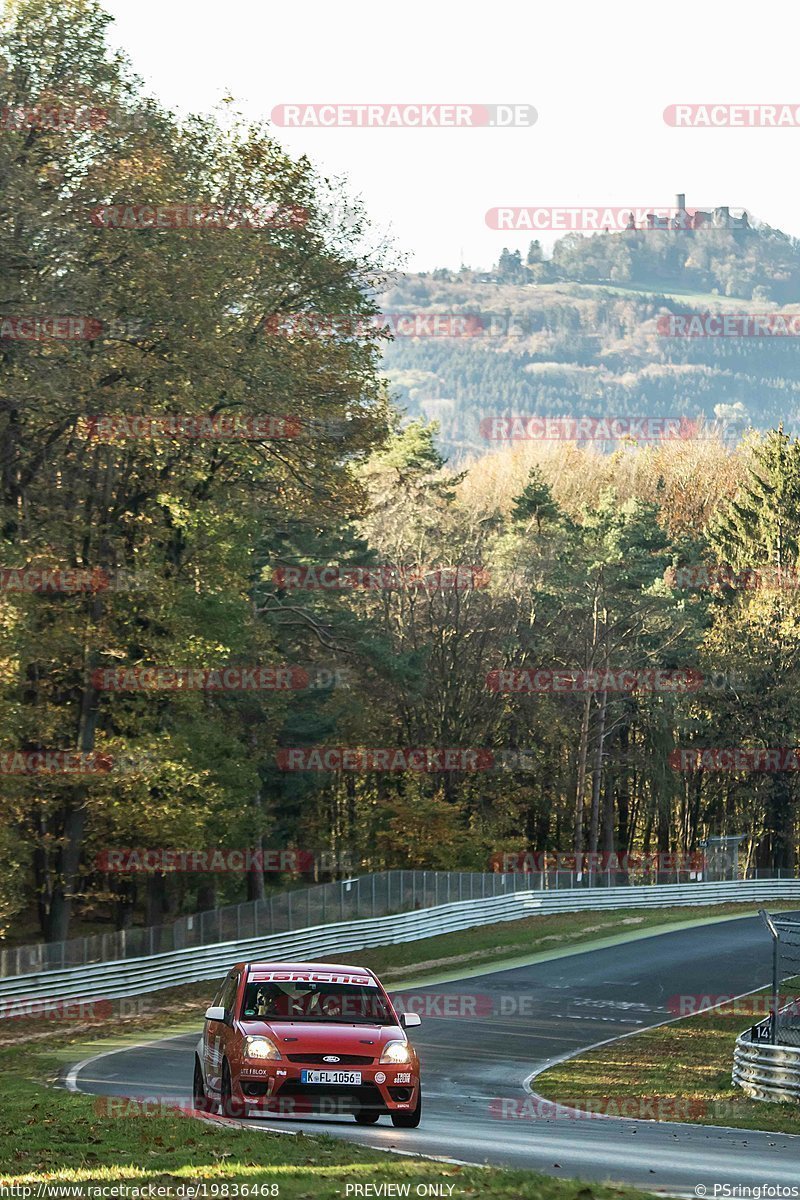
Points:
x=280, y=1089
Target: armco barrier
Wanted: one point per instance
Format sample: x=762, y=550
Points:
x=766, y=1072
x=131, y=977
x=355, y=898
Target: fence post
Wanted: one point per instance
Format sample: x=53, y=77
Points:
x=373, y=893
x=770, y=924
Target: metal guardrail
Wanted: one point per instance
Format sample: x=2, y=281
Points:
x=764, y=1071
x=371, y=895
x=352, y=899
x=131, y=977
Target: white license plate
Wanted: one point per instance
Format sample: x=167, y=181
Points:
x=330, y=1077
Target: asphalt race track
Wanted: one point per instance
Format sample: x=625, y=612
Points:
x=515, y=1021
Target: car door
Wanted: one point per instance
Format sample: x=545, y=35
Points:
x=215, y=1033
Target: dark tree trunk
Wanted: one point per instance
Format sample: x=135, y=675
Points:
x=597, y=775
x=59, y=909
x=155, y=899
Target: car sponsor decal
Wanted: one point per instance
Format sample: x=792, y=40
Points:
x=310, y=977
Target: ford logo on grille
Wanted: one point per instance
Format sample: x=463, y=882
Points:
x=330, y=1058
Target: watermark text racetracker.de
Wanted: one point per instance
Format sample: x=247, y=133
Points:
x=54, y=762
x=587, y=1108
x=361, y=760
x=529, y=427
x=732, y=116
x=541, y=680
x=596, y=218
x=721, y=575
x=20, y=1008
x=69, y=118
x=529, y=861
x=68, y=580
x=296, y=678
x=403, y=116
x=735, y=758
x=40, y=327
x=127, y=860
x=729, y=325
x=394, y=324
x=726, y=1005
x=194, y=215
x=388, y=577
x=209, y=679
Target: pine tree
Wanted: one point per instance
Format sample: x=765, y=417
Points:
x=535, y=502
x=761, y=526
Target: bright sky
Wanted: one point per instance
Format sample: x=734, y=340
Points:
x=598, y=75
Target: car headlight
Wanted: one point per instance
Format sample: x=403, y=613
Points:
x=396, y=1052
x=260, y=1047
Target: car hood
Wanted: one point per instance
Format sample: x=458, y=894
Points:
x=306, y=1037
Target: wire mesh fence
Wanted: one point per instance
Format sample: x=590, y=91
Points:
x=788, y=984
x=372, y=895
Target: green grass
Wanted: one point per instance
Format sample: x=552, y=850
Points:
x=659, y=287
x=49, y=1135
x=488, y=945
x=54, y=1137
x=455, y=955
x=677, y=1072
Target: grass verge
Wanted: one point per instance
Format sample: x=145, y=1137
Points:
x=54, y=1140
x=50, y=1136
x=179, y=1009
x=486, y=945
x=675, y=1072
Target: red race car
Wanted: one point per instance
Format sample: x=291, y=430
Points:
x=307, y=1038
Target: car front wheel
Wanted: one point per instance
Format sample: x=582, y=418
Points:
x=409, y=1120
x=199, y=1099
x=231, y=1107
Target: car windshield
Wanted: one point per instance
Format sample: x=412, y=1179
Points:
x=297, y=1001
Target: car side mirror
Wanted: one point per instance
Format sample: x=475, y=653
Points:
x=215, y=1013
x=409, y=1019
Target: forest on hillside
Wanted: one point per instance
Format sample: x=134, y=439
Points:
x=197, y=488
x=583, y=333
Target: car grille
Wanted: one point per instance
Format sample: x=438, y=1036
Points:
x=344, y=1060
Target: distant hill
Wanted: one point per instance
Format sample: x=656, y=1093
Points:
x=586, y=333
